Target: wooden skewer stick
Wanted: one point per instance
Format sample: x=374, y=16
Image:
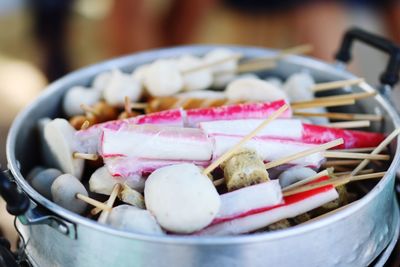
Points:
x=324, y=99
x=255, y=65
x=336, y=84
x=219, y=182
x=334, y=182
x=306, y=180
x=127, y=105
x=340, y=116
x=349, y=172
x=89, y=110
x=96, y=210
x=318, y=104
x=230, y=152
x=85, y=125
x=377, y=150
x=78, y=155
x=110, y=203
x=93, y=202
x=304, y=153
x=350, y=155
x=357, y=150
x=349, y=124
x=333, y=163
x=211, y=64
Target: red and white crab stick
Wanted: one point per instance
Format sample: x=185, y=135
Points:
x=293, y=129
x=88, y=139
x=258, y=218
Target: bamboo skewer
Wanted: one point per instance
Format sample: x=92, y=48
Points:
x=93, y=202
x=351, y=155
x=349, y=172
x=304, y=153
x=254, y=64
x=318, y=104
x=306, y=180
x=335, y=163
x=363, y=149
x=211, y=64
x=85, y=125
x=377, y=150
x=349, y=124
x=324, y=99
x=340, y=116
x=78, y=155
x=336, y=84
x=230, y=152
x=110, y=203
x=334, y=182
x=90, y=111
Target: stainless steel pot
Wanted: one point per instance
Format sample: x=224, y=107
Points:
x=353, y=236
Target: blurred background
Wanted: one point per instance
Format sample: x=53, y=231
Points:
x=41, y=40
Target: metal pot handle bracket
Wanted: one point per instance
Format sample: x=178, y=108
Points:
x=28, y=213
x=391, y=74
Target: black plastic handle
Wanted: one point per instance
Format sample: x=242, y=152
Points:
x=391, y=75
x=17, y=202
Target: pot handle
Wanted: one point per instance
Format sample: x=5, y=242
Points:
x=391, y=74
x=17, y=202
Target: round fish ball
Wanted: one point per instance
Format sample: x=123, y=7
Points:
x=77, y=96
x=60, y=138
x=275, y=81
x=119, y=86
x=102, y=182
x=250, y=89
x=182, y=199
x=101, y=80
x=295, y=174
x=139, y=73
x=298, y=88
x=132, y=219
x=223, y=79
x=64, y=190
x=34, y=172
x=220, y=54
x=43, y=180
x=197, y=80
x=163, y=78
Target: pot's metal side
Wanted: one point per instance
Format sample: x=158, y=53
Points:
x=334, y=245
x=352, y=236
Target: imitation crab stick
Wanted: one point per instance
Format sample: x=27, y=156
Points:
x=255, y=219
x=156, y=142
x=87, y=141
x=137, y=167
x=293, y=129
x=249, y=198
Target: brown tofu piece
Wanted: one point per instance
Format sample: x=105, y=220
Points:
x=243, y=169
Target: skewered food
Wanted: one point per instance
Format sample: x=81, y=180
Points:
x=86, y=96
x=64, y=190
x=295, y=174
x=163, y=78
x=43, y=180
x=197, y=80
x=132, y=219
x=155, y=152
x=182, y=199
x=243, y=169
x=252, y=89
x=59, y=136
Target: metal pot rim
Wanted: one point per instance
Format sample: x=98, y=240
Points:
x=184, y=240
